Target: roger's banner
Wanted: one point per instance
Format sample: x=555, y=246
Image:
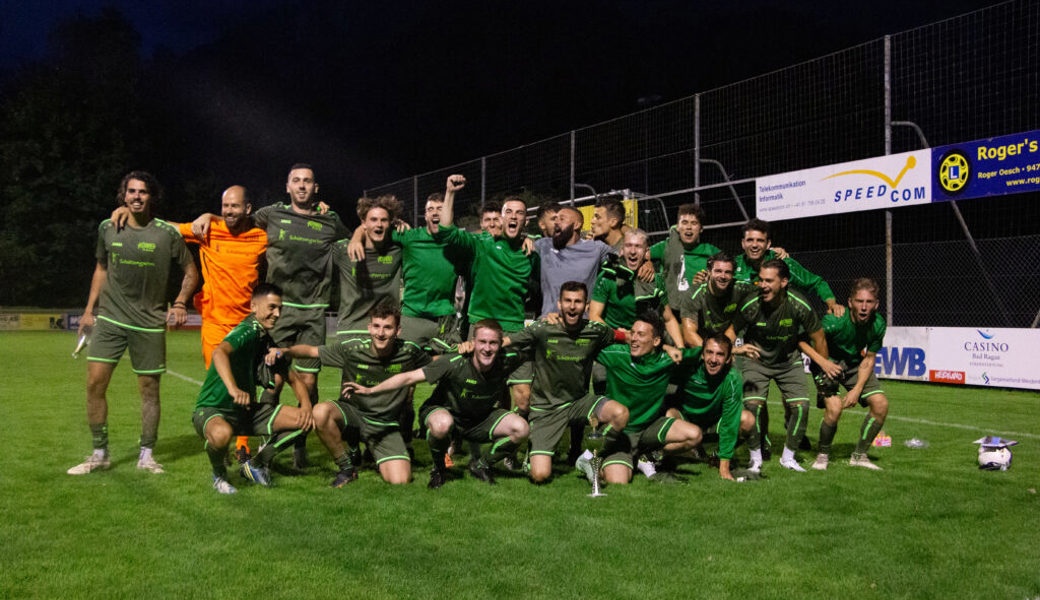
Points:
x=870, y=184
x=961, y=355
x=1008, y=164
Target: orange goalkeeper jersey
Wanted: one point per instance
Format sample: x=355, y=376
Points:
x=230, y=266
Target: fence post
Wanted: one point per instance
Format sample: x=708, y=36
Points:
x=889, y=267
x=697, y=147
x=573, y=141
x=415, y=201
x=483, y=180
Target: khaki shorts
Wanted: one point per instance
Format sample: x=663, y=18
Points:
x=383, y=440
x=791, y=379
x=255, y=419
x=650, y=439
x=547, y=426
x=147, y=346
x=301, y=326
x=434, y=335
x=479, y=431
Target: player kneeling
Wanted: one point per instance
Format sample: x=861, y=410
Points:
x=710, y=395
x=853, y=341
x=470, y=388
x=227, y=405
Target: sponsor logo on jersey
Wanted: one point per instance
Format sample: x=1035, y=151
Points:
x=314, y=225
x=146, y=246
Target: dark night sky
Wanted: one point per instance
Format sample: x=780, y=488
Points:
x=374, y=92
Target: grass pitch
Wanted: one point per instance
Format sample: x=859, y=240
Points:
x=931, y=525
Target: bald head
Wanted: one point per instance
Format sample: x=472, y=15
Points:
x=235, y=208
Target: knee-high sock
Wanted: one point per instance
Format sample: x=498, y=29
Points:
x=867, y=432
x=827, y=432
x=275, y=444
x=216, y=460
x=99, y=435
x=301, y=440
x=500, y=449
x=754, y=439
x=797, y=423
x=438, y=448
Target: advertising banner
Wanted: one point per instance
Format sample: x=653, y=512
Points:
x=997, y=166
x=870, y=184
x=28, y=321
x=961, y=355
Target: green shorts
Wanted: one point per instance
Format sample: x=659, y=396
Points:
x=255, y=419
x=471, y=430
x=383, y=439
x=301, y=326
x=633, y=444
x=848, y=378
x=790, y=378
x=147, y=346
x=547, y=425
x=436, y=335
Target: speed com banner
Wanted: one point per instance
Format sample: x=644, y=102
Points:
x=997, y=166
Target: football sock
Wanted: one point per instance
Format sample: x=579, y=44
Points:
x=278, y=442
x=827, y=432
x=577, y=433
x=301, y=440
x=216, y=460
x=796, y=424
x=499, y=450
x=242, y=441
x=754, y=439
x=99, y=434
x=438, y=448
x=343, y=462
x=762, y=418
x=867, y=432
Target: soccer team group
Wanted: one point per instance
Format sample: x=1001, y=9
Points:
x=660, y=350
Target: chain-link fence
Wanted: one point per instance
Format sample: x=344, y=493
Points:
x=974, y=262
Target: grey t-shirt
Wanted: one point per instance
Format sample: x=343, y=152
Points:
x=578, y=262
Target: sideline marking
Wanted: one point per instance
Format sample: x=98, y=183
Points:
x=184, y=377
x=1012, y=434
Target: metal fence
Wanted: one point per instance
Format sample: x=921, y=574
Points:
x=976, y=262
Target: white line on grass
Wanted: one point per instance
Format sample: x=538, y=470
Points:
x=184, y=377
x=952, y=425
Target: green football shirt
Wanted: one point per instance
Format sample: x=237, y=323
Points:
x=715, y=313
x=639, y=383
x=562, y=359
x=679, y=264
x=430, y=270
x=362, y=284
x=775, y=330
x=249, y=342
x=848, y=341
x=718, y=396
x=138, y=268
x=469, y=394
x=501, y=271
x=624, y=296
x=299, y=253
x=360, y=364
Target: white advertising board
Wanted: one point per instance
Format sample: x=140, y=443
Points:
x=869, y=184
x=962, y=355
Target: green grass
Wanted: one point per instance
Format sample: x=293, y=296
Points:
x=931, y=525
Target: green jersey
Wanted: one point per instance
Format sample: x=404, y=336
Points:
x=501, y=271
x=362, y=284
x=638, y=383
x=299, y=253
x=624, y=296
x=801, y=278
x=137, y=270
x=562, y=360
x=776, y=329
x=430, y=270
x=249, y=342
x=713, y=397
x=469, y=394
x=679, y=264
x=715, y=313
x=848, y=341
x=360, y=364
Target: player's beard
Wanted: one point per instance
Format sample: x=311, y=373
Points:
x=562, y=236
